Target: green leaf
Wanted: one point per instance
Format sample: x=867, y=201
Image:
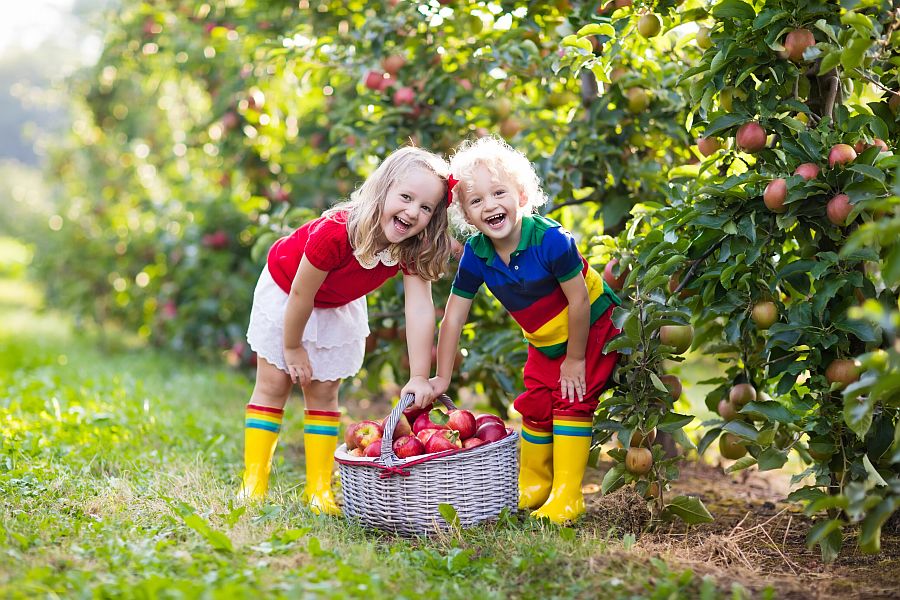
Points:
x=733, y=9
x=858, y=415
x=614, y=479
x=829, y=62
x=741, y=464
x=869, y=171
x=449, y=514
x=870, y=530
x=828, y=535
x=722, y=123
x=852, y=55
x=745, y=430
x=770, y=409
x=673, y=421
x=874, y=475
x=689, y=509
x=598, y=29
x=771, y=458
x=658, y=384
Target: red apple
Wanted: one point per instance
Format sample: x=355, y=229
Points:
x=462, y=421
x=356, y=452
x=393, y=63
x=366, y=433
x=439, y=443
x=412, y=412
x=488, y=418
x=350, y=436
x=796, y=42
x=750, y=137
x=386, y=83
x=491, y=432
x=423, y=421
x=408, y=445
x=775, y=194
x=425, y=434
x=708, y=146
x=839, y=208
x=374, y=79
x=841, y=154
x=807, y=171
x=373, y=450
x=616, y=283
x=402, y=428
x=473, y=442
x=404, y=95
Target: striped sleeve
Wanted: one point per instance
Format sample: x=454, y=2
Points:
x=469, y=275
x=561, y=254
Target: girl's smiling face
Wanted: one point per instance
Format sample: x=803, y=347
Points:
x=409, y=204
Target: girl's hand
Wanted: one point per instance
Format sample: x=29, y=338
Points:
x=421, y=389
x=439, y=385
x=298, y=365
x=571, y=379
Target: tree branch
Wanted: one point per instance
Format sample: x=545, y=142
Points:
x=690, y=273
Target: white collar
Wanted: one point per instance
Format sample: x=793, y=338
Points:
x=389, y=256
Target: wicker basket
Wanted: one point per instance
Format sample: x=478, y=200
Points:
x=404, y=495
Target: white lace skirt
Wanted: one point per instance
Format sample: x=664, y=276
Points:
x=334, y=338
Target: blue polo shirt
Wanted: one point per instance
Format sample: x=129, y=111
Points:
x=529, y=286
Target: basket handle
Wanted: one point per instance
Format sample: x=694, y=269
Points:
x=387, y=438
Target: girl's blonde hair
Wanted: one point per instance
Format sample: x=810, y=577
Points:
x=501, y=160
x=426, y=254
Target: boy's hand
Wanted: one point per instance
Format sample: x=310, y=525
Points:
x=571, y=379
x=421, y=389
x=439, y=384
x=297, y=361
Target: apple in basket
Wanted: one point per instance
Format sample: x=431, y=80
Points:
x=473, y=442
x=442, y=440
x=373, y=450
x=462, y=421
x=412, y=413
x=427, y=433
x=486, y=418
x=366, y=433
x=490, y=431
x=403, y=427
x=424, y=421
x=350, y=437
x=357, y=452
x=408, y=445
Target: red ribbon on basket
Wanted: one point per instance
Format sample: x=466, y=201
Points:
x=391, y=471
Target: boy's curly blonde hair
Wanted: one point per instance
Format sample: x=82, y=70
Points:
x=501, y=160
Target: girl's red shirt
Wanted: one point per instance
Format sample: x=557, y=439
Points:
x=326, y=243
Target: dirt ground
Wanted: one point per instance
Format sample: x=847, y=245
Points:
x=758, y=540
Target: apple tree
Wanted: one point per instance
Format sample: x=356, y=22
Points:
x=800, y=99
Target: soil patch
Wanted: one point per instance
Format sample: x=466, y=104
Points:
x=758, y=539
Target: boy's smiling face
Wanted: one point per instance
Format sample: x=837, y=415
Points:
x=495, y=207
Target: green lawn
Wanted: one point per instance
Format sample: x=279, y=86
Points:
x=117, y=474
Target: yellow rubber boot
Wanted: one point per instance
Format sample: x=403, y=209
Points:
x=535, y=466
x=571, y=446
x=261, y=427
x=320, y=434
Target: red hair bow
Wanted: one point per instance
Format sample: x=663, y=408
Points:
x=451, y=182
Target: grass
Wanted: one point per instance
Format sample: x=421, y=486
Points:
x=117, y=479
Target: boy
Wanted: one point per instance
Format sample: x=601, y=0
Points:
x=534, y=269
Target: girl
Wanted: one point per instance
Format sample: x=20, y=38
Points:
x=309, y=323
x=533, y=267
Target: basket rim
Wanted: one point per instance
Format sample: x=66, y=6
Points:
x=375, y=461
